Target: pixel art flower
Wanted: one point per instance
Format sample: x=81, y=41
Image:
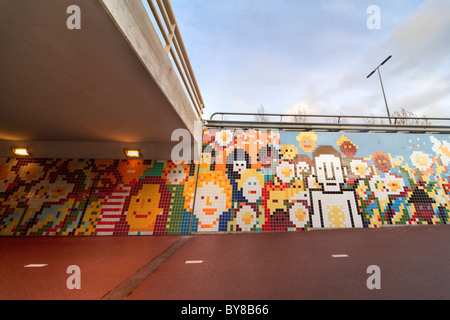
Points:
x=442, y=149
x=360, y=168
x=224, y=137
x=299, y=214
x=383, y=187
x=46, y=191
x=421, y=160
x=246, y=218
x=285, y=171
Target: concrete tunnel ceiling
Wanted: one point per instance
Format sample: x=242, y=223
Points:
x=77, y=93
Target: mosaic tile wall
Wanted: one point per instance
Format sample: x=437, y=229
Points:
x=253, y=180
x=93, y=197
x=289, y=181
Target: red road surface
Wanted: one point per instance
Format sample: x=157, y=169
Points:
x=414, y=264
x=105, y=262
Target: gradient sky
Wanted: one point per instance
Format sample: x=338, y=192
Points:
x=315, y=55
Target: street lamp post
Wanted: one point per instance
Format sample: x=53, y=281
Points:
x=382, y=88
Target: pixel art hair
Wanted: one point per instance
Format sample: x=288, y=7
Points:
x=217, y=177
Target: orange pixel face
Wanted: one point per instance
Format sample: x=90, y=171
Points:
x=347, y=147
x=289, y=151
x=103, y=164
x=274, y=197
x=7, y=176
x=382, y=161
x=213, y=198
x=276, y=201
x=297, y=191
x=30, y=172
x=131, y=170
x=144, y=208
x=175, y=173
x=307, y=141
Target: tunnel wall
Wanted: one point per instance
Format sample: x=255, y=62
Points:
x=247, y=180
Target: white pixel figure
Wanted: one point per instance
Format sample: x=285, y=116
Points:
x=332, y=206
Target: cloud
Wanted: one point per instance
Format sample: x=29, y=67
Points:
x=420, y=77
x=430, y=100
x=416, y=78
x=422, y=41
x=317, y=55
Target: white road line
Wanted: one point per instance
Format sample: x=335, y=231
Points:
x=193, y=261
x=339, y=256
x=35, y=265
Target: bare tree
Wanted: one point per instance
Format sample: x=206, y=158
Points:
x=421, y=121
x=374, y=120
x=300, y=115
x=338, y=119
x=260, y=117
x=403, y=113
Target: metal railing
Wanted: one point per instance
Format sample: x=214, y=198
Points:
x=331, y=123
x=174, y=47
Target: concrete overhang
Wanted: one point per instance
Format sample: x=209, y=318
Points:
x=89, y=92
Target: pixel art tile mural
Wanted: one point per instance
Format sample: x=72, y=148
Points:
x=93, y=197
x=247, y=180
x=289, y=181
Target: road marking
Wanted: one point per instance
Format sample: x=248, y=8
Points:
x=193, y=261
x=35, y=265
x=339, y=256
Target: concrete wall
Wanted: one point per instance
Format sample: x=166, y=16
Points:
x=254, y=180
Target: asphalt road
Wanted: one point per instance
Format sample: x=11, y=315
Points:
x=411, y=263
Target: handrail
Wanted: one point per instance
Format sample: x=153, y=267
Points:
x=403, y=127
x=180, y=57
x=285, y=115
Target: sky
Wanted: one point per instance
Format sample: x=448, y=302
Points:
x=315, y=55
